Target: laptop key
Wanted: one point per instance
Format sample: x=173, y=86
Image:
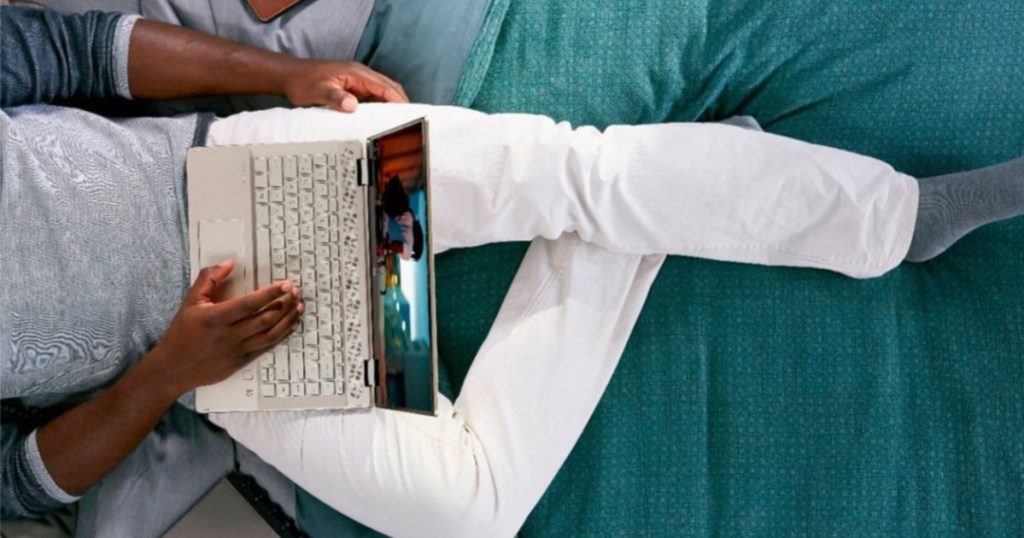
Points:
x=290, y=166
x=281, y=370
x=275, y=172
x=262, y=215
x=297, y=368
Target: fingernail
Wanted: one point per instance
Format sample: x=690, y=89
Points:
x=301, y=307
x=296, y=291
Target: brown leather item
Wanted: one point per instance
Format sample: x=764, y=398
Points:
x=266, y=10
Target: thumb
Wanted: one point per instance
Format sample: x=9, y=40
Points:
x=342, y=100
x=207, y=281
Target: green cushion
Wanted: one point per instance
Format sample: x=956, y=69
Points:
x=785, y=401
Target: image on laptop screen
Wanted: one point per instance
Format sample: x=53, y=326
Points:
x=402, y=280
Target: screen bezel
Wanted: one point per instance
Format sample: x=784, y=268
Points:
x=380, y=363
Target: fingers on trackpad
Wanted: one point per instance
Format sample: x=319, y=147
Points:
x=222, y=240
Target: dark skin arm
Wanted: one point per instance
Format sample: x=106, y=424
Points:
x=206, y=342
x=166, y=61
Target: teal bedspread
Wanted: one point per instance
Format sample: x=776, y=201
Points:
x=766, y=401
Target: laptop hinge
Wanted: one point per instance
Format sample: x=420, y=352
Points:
x=370, y=374
x=362, y=172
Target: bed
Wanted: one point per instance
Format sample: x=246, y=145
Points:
x=751, y=400
x=778, y=401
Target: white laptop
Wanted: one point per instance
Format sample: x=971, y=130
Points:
x=348, y=221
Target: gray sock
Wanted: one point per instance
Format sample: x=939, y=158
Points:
x=952, y=205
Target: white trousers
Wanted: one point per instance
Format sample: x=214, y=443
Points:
x=707, y=190
x=613, y=204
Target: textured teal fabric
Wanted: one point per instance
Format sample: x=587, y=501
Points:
x=777, y=401
x=766, y=401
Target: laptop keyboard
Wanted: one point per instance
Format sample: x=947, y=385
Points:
x=307, y=224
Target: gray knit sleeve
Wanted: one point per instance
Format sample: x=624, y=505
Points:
x=119, y=53
x=26, y=487
x=47, y=57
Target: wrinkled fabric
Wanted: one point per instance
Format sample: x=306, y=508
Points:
x=707, y=190
x=608, y=202
x=51, y=58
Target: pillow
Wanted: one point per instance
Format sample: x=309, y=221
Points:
x=423, y=45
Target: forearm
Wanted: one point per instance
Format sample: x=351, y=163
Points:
x=84, y=444
x=48, y=57
x=205, y=343
x=214, y=66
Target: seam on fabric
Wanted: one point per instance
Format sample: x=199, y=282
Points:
x=120, y=50
x=834, y=263
x=478, y=61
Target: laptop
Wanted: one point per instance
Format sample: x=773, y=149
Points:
x=349, y=222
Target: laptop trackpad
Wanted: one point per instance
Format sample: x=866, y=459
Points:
x=219, y=241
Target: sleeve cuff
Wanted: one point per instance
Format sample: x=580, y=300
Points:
x=122, y=37
x=42, y=476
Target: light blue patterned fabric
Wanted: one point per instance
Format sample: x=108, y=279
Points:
x=88, y=204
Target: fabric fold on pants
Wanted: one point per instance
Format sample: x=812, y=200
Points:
x=706, y=190
x=480, y=466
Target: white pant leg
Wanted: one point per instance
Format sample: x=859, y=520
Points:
x=706, y=190
x=481, y=465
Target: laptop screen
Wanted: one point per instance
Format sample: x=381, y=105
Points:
x=402, y=279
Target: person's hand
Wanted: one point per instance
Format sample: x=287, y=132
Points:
x=208, y=341
x=340, y=85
